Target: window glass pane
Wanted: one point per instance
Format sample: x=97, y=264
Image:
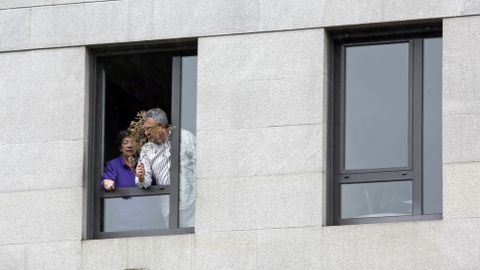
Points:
x=376, y=199
x=188, y=142
x=432, y=126
x=377, y=106
x=136, y=213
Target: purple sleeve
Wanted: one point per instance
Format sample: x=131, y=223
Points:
x=108, y=173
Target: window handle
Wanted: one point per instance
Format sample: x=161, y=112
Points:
x=346, y=177
x=404, y=173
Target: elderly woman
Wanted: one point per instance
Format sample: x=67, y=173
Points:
x=120, y=172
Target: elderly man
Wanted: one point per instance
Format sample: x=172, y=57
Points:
x=154, y=162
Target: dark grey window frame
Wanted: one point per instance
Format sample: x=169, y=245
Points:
x=94, y=157
x=340, y=39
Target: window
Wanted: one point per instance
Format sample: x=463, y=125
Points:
x=125, y=81
x=385, y=126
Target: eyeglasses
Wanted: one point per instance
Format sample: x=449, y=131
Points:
x=149, y=128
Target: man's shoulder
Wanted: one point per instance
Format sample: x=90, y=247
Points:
x=148, y=146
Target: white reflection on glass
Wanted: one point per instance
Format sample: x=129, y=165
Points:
x=376, y=199
x=188, y=142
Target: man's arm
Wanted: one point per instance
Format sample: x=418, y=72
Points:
x=143, y=177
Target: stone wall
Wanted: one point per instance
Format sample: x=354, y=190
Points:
x=261, y=119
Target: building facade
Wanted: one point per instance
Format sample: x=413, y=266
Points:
x=263, y=135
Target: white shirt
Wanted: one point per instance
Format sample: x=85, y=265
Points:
x=156, y=161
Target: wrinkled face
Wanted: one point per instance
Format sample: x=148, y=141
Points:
x=127, y=147
x=155, y=133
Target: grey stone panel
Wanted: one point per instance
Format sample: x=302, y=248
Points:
x=260, y=151
x=32, y=84
x=108, y=21
x=277, y=201
x=226, y=251
x=260, y=103
x=111, y=254
x=452, y=244
x=40, y=216
x=160, y=252
x=140, y=19
x=407, y=245
x=14, y=29
x=292, y=248
x=12, y=257
x=411, y=9
x=470, y=7
x=461, y=190
x=261, y=56
x=460, y=138
x=167, y=252
x=461, y=65
x=256, y=80
x=54, y=25
x=284, y=14
x=54, y=255
x=353, y=12
x=41, y=166
x=182, y=18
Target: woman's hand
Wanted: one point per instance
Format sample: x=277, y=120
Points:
x=109, y=185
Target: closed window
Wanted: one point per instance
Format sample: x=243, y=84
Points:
x=385, y=126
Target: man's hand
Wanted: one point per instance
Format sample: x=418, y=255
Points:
x=108, y=185
x=140, y=171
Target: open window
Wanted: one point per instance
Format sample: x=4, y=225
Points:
x=125, y=81
x=385, y=125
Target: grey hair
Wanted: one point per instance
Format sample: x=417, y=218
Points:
x=158, y=115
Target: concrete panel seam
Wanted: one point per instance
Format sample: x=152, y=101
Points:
x=57, y=5
x=462, y=217
x=266, y=175
x=461, y=162
x=261, y=229
x=40, y=242
x=320, y=172
x=46, y=141
x=461, y=113
x=264, y=127
x=42, y=48
x=42, y=189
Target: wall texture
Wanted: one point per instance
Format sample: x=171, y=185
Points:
x=41, y=144
x=261, y=118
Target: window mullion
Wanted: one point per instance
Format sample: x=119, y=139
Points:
x=96, y=139
x=175, y=137
x=339, y=120
x=417, y=119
